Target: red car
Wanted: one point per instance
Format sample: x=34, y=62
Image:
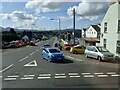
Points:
x=67, y=47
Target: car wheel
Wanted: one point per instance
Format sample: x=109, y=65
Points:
x=99, y=58
x=75, y=52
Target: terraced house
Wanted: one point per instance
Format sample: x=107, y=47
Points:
x=110, y=29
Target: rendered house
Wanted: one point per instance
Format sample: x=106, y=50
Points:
x=110, y=29
x=92, y=34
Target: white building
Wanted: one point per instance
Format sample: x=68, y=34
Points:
x=93, y=31
x=110, y=29
x=83, y=33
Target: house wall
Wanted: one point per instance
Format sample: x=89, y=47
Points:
x=91, y=33
x=112, y=16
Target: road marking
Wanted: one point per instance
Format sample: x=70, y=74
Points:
x=72, y=73
x=1, y=76
x=27, y=78
x=37, y=50
x=23, y=58
x=75, y=76
x=85, y=73
x=111, y=73
x=32, y=53
x=78, y=59
x=60, y=77
x=29, y=75
x=60, y=74
x=70, y=57
x=102, y=75
x=98, y=73
x=6, y=68
x=30, y=64
x=44, y=77
x=13, y=76
x=88, y=76
x=7, y=79
x=116, y=75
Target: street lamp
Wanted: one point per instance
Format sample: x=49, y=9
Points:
x=59, y=23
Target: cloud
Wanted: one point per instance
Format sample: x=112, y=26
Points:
x=44, y=5
x=20, y=17
x=91, y=10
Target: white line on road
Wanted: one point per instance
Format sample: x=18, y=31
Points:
x=116, y=75
x=23, y=58
x=85, y=73
x=44, y=77
x=37, y=50
x=29, y=75
x=102, y=75
x=27, y=78
x=75, y=76
x=6, y=68
x=72, y=73
x=88, y=76
x=78, y=59
x=60, y=74
x=7, y=79
x=98, y=73
x=32, y=53
x=13, y=76
x=60, y=77
x=70, y=57
x=111, y=73
x=1, y=76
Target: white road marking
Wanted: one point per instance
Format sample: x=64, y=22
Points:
x=102, y=75
x=70, y=57
x=78, y=59
x=27, y=78
x=98, y=73
x=85, y=73
x=88, y=76
x=32, y=53
x=6, y=68
x=111, y=73
x=1, y=76
x=30, y=64
x=60, y=74
x=74, y=76
x=72, y=73
x=60, y=77
x=29, y=75
x=37, y=50
x=44, y=77
x=7, y=79
x=13, y=76
x=116, y=75
x=23, y=59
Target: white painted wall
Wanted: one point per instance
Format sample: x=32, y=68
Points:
x=91, y=33
x=112, y=16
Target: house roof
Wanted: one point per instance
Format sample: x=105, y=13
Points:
x=96, y=27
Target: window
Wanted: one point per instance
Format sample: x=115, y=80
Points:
x=104, y=42
x=105, y=27
x=118, y=47
x=118, y=25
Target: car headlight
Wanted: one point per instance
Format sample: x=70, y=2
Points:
x=105, y=56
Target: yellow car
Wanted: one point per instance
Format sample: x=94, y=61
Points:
x=77, y=49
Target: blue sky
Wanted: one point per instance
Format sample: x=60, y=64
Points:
x=37, y=15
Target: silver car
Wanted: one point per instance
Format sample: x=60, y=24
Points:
x=98, y=52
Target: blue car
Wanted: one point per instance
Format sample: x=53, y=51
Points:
x=52, y=54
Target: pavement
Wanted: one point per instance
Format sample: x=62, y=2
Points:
x=25, y=68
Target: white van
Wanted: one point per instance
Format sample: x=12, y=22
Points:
x=98, y=52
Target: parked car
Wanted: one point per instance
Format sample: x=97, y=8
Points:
x=77, y=49
x=98, y=52
x=46, y=46
x=52, y=54
x=67, y=47
x=32, y=43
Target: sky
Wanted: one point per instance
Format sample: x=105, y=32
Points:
x=37, y=14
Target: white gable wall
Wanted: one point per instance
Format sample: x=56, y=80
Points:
x=91, y=33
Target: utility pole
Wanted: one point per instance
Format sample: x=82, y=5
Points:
x=59, y=29
x=74, y=24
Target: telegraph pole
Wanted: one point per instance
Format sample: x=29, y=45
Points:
x=74, y=24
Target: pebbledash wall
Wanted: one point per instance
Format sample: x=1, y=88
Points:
x=109, y=38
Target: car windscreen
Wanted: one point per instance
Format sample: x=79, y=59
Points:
x=54, y=51
x=102, y=49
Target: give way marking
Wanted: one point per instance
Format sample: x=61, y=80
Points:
x=30, y=64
